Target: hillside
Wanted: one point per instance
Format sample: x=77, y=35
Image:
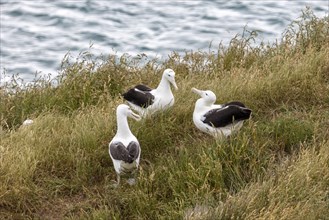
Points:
x=276, y=167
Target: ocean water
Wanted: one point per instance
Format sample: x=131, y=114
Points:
x=36, y=34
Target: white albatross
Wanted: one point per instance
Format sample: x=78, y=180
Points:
x=124, y=148
x=147, y=101
x=218, y=120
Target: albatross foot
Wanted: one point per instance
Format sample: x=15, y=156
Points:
x=131, y=181
x=114, y=184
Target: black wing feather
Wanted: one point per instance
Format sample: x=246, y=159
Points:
x=235, y=103
x=133, y=150
x=120, y=152
x=221, y=117
x=143, y=88
x=139, y=95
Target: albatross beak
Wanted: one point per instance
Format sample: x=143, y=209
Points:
x=197, y=91
x=135, y=116
x=174, y=84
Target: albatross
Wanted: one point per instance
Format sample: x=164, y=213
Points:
x=218, y=120
x=124, y=148
x=147, y=101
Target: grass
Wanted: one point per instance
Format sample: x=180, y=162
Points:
x=276, y=167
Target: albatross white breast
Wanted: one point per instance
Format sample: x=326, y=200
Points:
x=124, y=148
x=147, y=101
x=218, y=120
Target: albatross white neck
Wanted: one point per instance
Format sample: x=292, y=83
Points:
x=164, y=85
x=123, y=129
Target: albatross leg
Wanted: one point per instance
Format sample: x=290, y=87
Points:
x=118, y=179
x=117, y=183
x=132, y=179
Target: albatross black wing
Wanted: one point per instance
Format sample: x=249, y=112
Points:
x=133, y=150
x=119, y=152
x=221, y=117
x=143, y=88
x=235, y=103
x=139, y=95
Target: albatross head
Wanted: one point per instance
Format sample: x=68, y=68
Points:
x=169, y=75
x=207, y=96
x=125, y=110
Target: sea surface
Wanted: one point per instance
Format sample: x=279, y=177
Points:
x=37, y=34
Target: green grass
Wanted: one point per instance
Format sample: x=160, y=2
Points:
x=276, y=167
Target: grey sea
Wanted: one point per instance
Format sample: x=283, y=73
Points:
x=36, y=34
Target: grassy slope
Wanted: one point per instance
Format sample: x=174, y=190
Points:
x=275, y=167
